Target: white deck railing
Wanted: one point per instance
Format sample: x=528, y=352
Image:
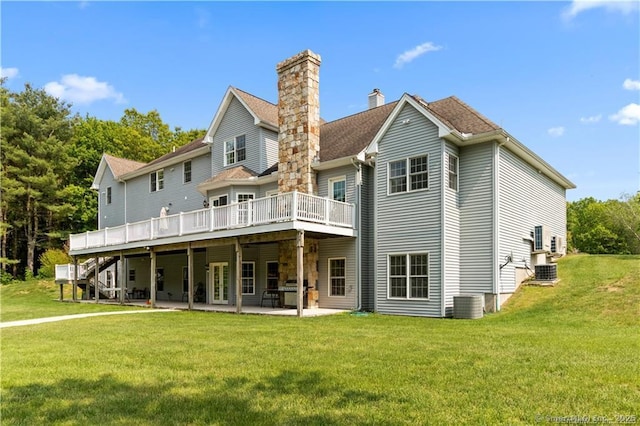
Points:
x=278, y=208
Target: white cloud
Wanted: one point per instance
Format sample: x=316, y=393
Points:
x=592, y=119
x=628, y=115
x=9, y=73
x=579, y=6
x=412, y=54
x=556, y=132
x=631, y=84
x=82, y=90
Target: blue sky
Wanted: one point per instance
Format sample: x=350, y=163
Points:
x=562, y=77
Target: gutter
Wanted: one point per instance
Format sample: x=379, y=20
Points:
x=358, y=167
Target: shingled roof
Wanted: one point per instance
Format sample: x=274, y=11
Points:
x=191, y=146
x=266, y=111
x=458, y=115
x=239, y=172
x=120, y=166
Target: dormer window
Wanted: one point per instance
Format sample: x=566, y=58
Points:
x=156, y=181
x=235, y=150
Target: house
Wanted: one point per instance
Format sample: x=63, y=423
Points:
x=395, y=209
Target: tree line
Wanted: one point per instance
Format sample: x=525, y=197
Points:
x=49, y=157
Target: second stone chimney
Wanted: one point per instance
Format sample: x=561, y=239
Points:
x=376, y=99
x=299, y=122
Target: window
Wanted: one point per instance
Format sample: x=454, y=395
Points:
x=338, y=189
x=156, y=181
x=453, y=172
x=408, y=276
x=248, y=278
x=159, y=279
x=416, y=179
x=185, y=279
x=109, y=279
x=244, y=197
x=132, y=275
x=235, y=150
x=186, y=172
x=108, y=200
x=243, y=209
x=220, y=201
x=272, y=275
x=337, y=277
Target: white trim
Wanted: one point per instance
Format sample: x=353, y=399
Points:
x=238, y=194
x=443, y=233
x=448, y=171
x=253, y=277
x=496, y=224
x=217, y=198
x=184, y=182
x=166, y=163
x=271, y=193
x=443, y=130
x=329, y=277
x=332, y=181
x=408, y=275
x=233, y=139
x=157, y=181
x=407, y=175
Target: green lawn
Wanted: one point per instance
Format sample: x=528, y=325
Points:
x=571, y=350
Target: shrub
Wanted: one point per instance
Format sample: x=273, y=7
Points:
x=48, y=261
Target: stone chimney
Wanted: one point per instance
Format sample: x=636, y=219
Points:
x=376, y=99
x=299, y=122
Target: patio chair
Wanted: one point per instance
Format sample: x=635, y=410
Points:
x=270, y=294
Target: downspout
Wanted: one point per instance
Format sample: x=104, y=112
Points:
x=496, y=224
x=358, y=167
x=443, y=222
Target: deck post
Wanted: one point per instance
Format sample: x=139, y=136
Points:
x=190, y=276
x=238, y=276
x=96, y=278
x=300, y=271
x=61, y=293
x=122, y=278
x=74, y=291
x=154, y=279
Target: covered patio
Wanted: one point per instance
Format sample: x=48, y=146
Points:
x=204, y=307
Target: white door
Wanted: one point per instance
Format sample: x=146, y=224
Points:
x=218, y=283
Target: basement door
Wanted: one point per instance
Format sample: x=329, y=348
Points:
x=218, y=283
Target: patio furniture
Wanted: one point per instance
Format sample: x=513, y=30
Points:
x=271, y=294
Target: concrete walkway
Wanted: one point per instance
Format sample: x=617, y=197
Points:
x=68, y=317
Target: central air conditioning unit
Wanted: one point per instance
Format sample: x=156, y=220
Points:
x=547, y=272
x=541, y=238
x=468, y=306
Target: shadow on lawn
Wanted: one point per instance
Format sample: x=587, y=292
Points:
x=289, y=397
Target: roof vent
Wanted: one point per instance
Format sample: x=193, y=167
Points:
x=376, y=99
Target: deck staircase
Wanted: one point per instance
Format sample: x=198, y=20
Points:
x=86, y=276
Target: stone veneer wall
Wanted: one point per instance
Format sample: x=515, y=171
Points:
x=298, y=148
x=298, y=121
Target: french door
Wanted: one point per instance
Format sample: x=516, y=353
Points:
x=218, y=283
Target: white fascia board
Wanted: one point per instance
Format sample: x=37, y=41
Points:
x=99, y=173
x=215, y=122
x=252, y=181
x=331, y=164
x=443, y=130
x=515, y=146
x=166, y=163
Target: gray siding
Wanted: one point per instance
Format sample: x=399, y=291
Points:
x=143, y=204
x=270, y=149
x=110, y=214
x=349, y=172
x=237, y=121
x=526, y=199
x=476, y=199
x=451, y=234
x=337, y=248
x=409, y=222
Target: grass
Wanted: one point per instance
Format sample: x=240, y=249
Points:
x=39, y=298
x=570, y=350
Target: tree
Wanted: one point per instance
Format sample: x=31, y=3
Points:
x=36, y=130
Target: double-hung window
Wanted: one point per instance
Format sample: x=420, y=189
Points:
x=338, y=189
x=408, y=174
x=453, y=172
x=108, y=195
x=337, y=277
x=235, y=150
x=156, y=181
x=408, y=276
x=248, y=278
x=186, y=171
